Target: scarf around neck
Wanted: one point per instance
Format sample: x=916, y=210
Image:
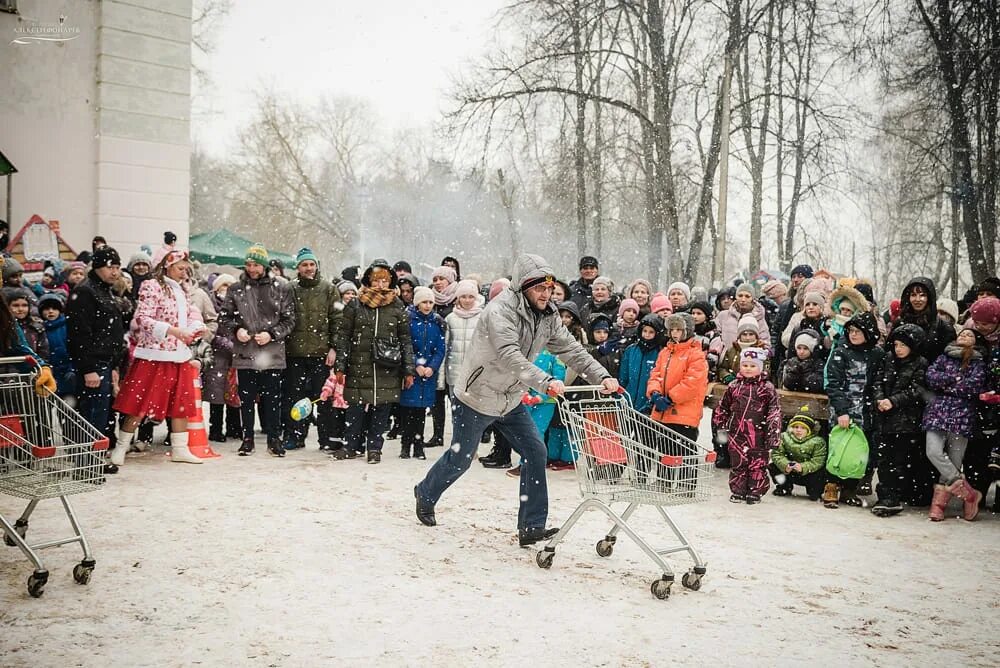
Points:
x=446, y=296
x=471, y=313
x=376, y=297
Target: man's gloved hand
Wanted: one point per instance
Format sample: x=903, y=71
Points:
x=45, y=383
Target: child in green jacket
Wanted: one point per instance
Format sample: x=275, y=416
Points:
x=800, y=458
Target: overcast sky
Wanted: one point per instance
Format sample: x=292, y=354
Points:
x=396, y=53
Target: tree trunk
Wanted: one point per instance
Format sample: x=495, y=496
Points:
x=579, y=153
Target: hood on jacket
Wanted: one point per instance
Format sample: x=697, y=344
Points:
x=379, y=263
x=599, y=319
x=905, y=309
x=528, y=266
x=866, y=323
x=702, y=306
x=731, y=292
x=912, y=336
x=572, y=309
x=851, y=295
x=656, y=322
x=681, y=320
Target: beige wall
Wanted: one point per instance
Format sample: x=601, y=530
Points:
x=99, y=127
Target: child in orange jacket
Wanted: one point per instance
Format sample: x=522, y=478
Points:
x=677, y=384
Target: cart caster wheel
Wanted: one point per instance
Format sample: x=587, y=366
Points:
x=544, y=559
x=605, y=548
x=21, y=528
x=691, y=580
x=82, y=572
x=36, y=583
x=661, y=589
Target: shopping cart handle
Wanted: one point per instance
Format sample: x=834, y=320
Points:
x=593, y=388
x=21, y=359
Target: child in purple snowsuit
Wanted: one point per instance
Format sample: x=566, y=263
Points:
x=749, y=418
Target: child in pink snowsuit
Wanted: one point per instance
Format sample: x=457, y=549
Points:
x=333, y=389
x=749, y=416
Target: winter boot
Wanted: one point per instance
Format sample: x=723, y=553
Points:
x=180, y=452
x=418, y=451
x=435, y=442
x=215, y=433
x=994, y=460
x=831, y=495
x=939, y=503
x=865, y=485
x=404, y=452
x=887, y=507
x=970, y=501
x=246, y=449
x=737, y=498
x=752, y=499
x=124, y=443
x=374, y=456
x=274, y=447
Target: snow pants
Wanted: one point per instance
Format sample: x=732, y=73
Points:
x=813, y=482
x=904, y=472
x=748, y=475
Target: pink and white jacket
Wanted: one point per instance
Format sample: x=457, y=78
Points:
x=156, y=311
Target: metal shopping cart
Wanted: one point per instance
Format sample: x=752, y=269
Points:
x=625, y=456
x=47, y=451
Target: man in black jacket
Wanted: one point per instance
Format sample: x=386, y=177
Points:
x=580, y=288
x=95, y=338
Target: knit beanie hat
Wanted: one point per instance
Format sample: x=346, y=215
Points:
x=985, y=310
x=105, y=256
x=639, y=281
x=139, y=258
x=403, y=265
x=755, y=356
x=748, y=323
x=422, y=293
x=747, y=288
x=626, y=305
x=303, y=255
x=600, y=321
x=816, y=298
x=465, y=287
x=868, y=292
x=683, y=287
x=805, y=419
x=702, y=306
x=660, y=302
x=447, y=272
x=347, y=286
x=803, y=270
x=11, y=267
x=51, y=300
x=222, y=281
x=775, y=290
x=605, y=281
x=257, y=253
x=910, y=335
x=949, y=307
x=497, y=286
x=11, y=294
x=809, y=338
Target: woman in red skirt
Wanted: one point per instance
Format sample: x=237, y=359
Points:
x=160, y=380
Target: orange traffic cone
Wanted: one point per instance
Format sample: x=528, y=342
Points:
x=197, y=437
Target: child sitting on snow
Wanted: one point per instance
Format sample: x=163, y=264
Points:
x=749, y=419
x=800, y=458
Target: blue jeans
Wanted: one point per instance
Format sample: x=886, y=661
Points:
x=95, y=402
x=520, y=431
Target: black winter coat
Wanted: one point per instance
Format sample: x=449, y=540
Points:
x=95, y=328
x=850, y=375
x=937, y=333
x=367, y=382
x=903, y=383
x=804, y=375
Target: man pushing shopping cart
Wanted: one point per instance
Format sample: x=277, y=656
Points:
x=513, y=329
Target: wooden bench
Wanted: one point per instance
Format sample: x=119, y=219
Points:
x=791, y=402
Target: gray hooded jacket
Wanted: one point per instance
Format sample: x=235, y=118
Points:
x=498, y=366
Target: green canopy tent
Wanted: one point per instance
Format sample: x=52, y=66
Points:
x=224, y=247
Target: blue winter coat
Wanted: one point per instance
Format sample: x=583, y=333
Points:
x=427, y=333
x=633, y=374
x=62, y=365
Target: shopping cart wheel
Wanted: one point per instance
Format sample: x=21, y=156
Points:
x=82, y=571
x=21, y=527
x=691, y=580
x=605, y=547
x=661, y=588
x=36, y=583
x=544, y=558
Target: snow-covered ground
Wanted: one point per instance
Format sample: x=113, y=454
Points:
x=306, y=561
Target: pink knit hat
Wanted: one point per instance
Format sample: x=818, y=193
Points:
x=447, y=272
x=626, y=305
x=774, y=289
x=660, y=302
x=986, y=310
x=497, y=286
x=466, y=287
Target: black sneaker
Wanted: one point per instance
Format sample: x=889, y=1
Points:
x=496, y=464
x=275, y=448
x=781, y=491
x=418, y=452
x=246, y=448
x=887, y=507
x=737, y=498
x=435, y=442
x=110, y=469
x=338, y=454
x=530, y=536
x=374, y=457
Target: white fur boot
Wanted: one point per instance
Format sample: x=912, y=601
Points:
x=124, y=443
x=179, y=450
